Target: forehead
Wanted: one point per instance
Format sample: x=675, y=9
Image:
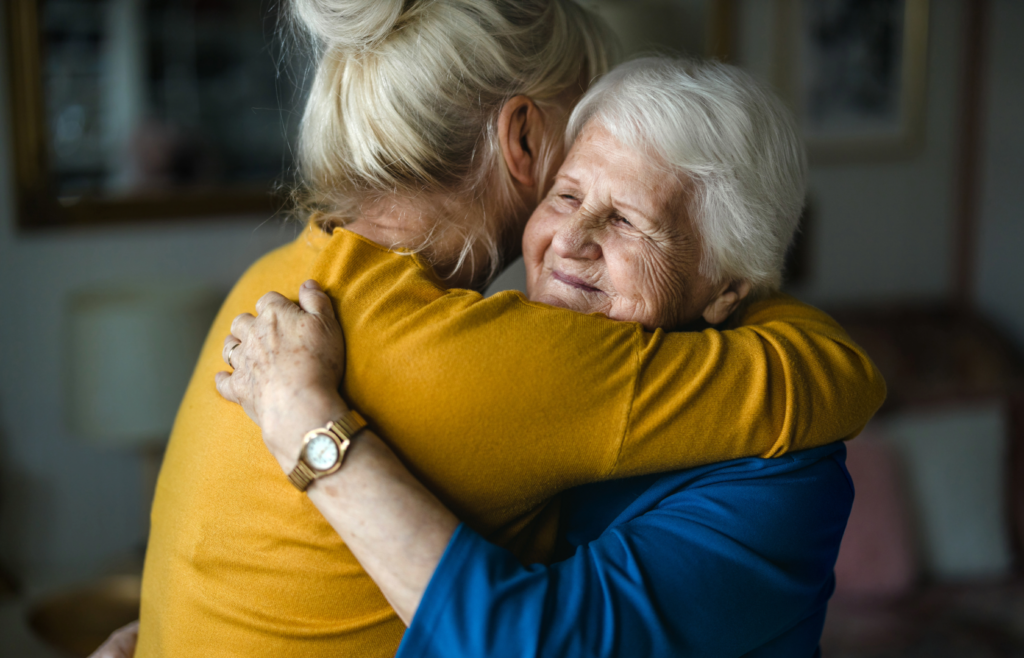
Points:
x=629, y=177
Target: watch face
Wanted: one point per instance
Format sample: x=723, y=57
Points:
x=321, y=452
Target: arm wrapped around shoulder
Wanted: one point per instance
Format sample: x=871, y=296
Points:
x=474, y=390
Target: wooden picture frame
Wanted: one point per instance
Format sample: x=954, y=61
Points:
x=38, y=204
x=853, y=107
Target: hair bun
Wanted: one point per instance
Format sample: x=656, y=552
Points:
x=348, y=24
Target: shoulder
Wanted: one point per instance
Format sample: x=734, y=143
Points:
x=807, y=493
x=826, y=464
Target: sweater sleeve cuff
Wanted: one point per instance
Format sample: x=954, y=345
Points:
x=419, y=638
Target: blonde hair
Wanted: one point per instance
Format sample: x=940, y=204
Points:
x=406, y=97
x=731, y=137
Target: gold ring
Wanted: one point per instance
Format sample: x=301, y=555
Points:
x=230, y=350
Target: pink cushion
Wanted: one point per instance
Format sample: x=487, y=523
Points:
x=876, y=559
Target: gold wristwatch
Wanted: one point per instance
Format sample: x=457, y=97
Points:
x=323, y=449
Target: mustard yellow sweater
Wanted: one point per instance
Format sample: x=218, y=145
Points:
x=497, y=404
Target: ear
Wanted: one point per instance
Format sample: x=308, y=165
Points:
x=726, y=301
x=520, y=133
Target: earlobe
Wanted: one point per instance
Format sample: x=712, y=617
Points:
x=727, y=301
x=519, y=127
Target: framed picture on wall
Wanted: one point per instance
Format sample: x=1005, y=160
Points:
x=140, y=110
x=854, y=72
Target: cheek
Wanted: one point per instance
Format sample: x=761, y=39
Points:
x=662, y=284
x=541, y=230
x=623, y=269
x=531, y=239
x=536, y=239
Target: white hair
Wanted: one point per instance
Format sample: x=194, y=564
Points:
x=731, y=137
x=406, y=97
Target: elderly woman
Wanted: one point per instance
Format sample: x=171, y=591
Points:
x=499, y=404
x=732, y=559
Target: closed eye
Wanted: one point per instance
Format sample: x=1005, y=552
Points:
x=571, y=200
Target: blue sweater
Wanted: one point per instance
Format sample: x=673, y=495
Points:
x=732, y=559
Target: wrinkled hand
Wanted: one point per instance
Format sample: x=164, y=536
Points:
x=120, y=644
x=288, y=362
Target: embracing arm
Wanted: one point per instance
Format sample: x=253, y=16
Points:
x=399, y=531
x=286, y=375
x=395, y=527
x=702, y=565
x=563, y=398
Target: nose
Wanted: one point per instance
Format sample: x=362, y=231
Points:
x=577, y=238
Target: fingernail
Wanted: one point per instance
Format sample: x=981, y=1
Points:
x=310, y=283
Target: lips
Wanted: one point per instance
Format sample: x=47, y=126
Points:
x=573, y=281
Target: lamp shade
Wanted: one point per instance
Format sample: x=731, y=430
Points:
x=132, y=351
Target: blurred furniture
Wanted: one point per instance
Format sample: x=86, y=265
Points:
x=7, y=586
x=937, y=354
x=18, y=639
x=132, y=350
x=935, y=359
x=79, y=619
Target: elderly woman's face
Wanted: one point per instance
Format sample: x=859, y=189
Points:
x=613, y=236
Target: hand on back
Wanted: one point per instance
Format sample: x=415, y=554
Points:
x=287, y=359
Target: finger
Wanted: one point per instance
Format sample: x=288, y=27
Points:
x=120, y=644
x=271, y=300
x=314, y=300
x=230, y=343
x=225, y=387
x=311, y=283
x=241, y=324
x=128, y=639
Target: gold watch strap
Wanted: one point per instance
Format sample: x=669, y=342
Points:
x=347, y=426
x=343, y=430
x=301, y=476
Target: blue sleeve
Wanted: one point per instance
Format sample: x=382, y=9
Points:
x=740, y=564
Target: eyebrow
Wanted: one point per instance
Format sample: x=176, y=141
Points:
x=633, y=210
x=567, y=178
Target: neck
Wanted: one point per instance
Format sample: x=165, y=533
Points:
x=431, y=227
x=395, y=225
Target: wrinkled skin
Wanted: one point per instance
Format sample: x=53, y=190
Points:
x=614, y=236
x=285, y=360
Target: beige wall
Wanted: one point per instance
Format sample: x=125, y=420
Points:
x=884, y=231
x=64, y=504
x=881, y=230
x=999, y=287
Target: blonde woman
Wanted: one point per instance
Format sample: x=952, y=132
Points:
x=436, y=127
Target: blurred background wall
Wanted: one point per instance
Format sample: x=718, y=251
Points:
x=879, y=232
x=1000, y=282
x=70, y=509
